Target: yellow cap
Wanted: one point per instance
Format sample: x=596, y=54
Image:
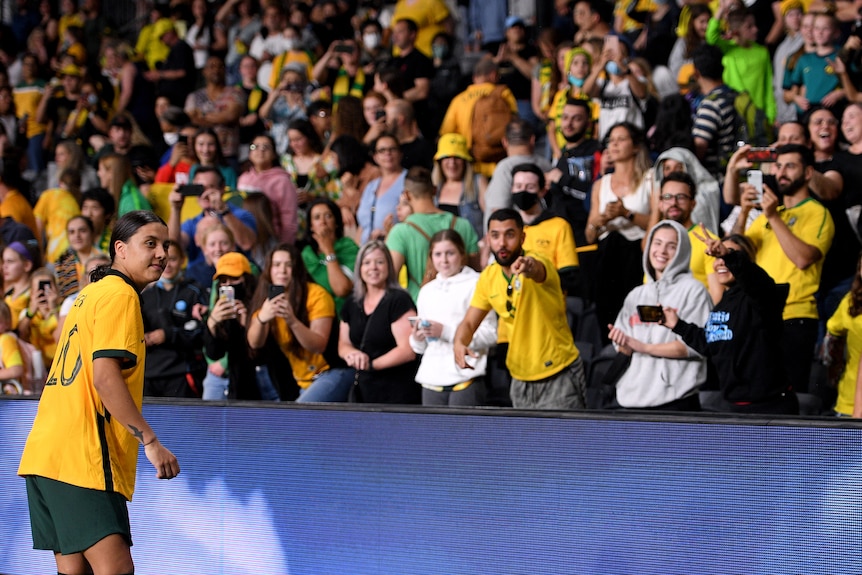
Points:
x=233, y=265
x=452, y=146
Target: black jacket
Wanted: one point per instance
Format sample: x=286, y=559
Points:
x=172, y=311
x=742, y=337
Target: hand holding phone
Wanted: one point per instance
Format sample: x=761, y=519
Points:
x=275, y=291
x=191, y=190
x=755, y=178
x=650, y=313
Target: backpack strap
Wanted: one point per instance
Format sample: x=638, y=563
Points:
x=420, y=230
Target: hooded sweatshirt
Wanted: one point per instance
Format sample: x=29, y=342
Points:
x=708, y=195
x=653, y=381
x=446, y=300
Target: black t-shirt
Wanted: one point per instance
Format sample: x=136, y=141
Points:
x=419, y=152
x=510, y=76
x=840, y=261
x=568, y=197
x=372, y=334
x=181, y=57
x=414, y=65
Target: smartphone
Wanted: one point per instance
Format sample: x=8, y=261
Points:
x=379, y=114
x=275, y=291
x=613, y=43
x=650, y=313
x=44, y=285
x=344, y=49
x=413, y=319
x=760, y=155
x=226, y=292
x=755, y=178
x=191, y=189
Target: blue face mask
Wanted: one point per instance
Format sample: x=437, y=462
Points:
x=612, y=68
x=576, y=82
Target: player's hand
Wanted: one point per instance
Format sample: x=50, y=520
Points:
x=166, y=464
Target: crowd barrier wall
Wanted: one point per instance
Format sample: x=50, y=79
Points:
x=290, y=489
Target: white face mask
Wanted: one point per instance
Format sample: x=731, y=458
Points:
x=172, y=138
x=371, y=41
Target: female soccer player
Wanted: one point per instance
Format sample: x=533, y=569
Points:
x=80, y=458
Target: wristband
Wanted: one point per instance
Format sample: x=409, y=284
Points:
x=30, y=315
x=330, y=258
x=153, y=440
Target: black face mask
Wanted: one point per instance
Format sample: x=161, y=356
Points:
x=525, y=200
x=239, y=291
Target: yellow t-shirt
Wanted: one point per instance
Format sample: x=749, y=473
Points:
x=428, y=14
x=701, y=264
x=42, y=336
x=810, y=222
x=17, y=207
x=843, y=324
x=74, y=439
x=17, y=305
x=305, y=365
x=540, y=342
x=27, y=98
x=554, y=240
x=54, y=209
x=10, y=353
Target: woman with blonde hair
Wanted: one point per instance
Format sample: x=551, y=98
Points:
x=460, y=191
x=115, y=175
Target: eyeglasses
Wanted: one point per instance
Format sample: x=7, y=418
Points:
x=678, y=197
x=391, y=150
x=263, y=147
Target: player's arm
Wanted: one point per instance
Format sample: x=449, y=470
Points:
x=111, y=387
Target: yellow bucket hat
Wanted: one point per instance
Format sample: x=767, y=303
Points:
x=452, y=146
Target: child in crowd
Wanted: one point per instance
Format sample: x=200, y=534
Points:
x=577, y=66
x=18, y=262
x=747, y=66
x=813, y=80
x=216, y=240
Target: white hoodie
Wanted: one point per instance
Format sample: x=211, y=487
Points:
x=446, y=300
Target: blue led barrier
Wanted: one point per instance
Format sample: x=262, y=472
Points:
x=293, y=490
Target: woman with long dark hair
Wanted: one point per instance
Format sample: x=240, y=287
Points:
x=298, y=314
x=92, y=400
x=329, y=256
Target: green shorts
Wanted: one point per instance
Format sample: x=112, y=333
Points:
x=68, y=519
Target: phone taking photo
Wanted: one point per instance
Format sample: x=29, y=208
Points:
x=227, y=292
x=190, y=190
x=275, y=291
x=755, y=178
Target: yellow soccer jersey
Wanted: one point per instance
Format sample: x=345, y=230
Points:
x=553, y=239
x=842, y=324
x=74, y=439
x=534, y=316
x=810, y=222
x=701, y=264
x=306, y=365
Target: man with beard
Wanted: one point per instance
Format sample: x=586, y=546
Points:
x=219, y=107
x=547, y=234
x=791, y=242
x=572, y=179
x=524, y=289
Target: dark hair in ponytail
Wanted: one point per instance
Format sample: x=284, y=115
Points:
x=124, y=229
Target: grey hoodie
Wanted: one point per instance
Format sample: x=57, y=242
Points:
x=652, y=381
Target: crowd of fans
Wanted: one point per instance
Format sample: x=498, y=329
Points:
x=405, y=202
